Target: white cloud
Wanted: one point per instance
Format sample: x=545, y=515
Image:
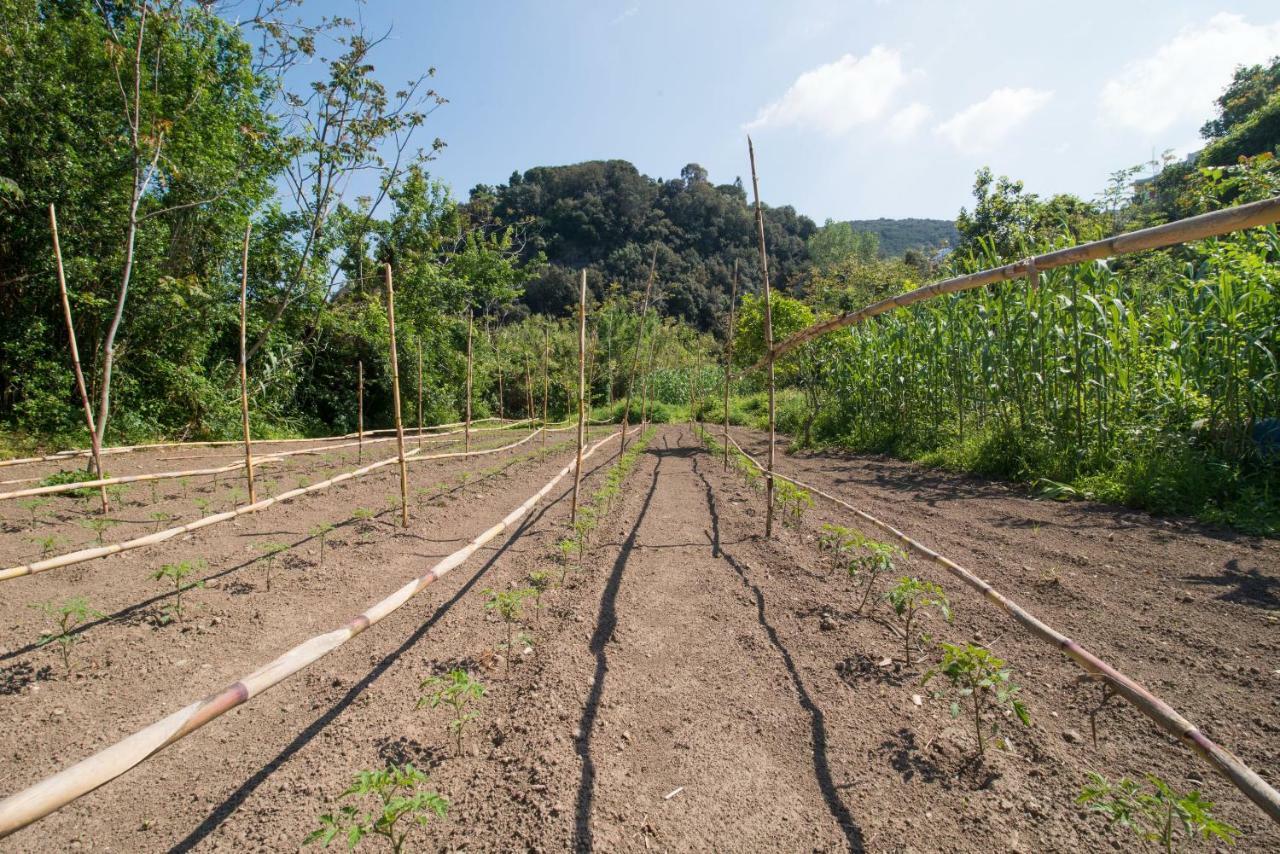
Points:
x=981, y=126
x=839, y=95
x=907, y=121
x=1182, y=78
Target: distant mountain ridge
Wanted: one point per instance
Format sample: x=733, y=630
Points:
x=899, y=235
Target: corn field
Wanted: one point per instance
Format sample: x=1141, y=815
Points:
x=1151, y=380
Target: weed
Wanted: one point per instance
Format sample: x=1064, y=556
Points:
x=67, y=616
x=174, y=573
x=457, y=691
x=1151, y=812
x=910, y=596
x=977, y=674
x=399, y=795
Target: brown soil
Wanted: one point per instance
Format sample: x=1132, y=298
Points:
x=690, y=659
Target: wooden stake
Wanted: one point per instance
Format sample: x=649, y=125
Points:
x=419, y=391
x=467, y=430
x=528, y=389
x=728, y=360
x=360, y=411
x=244, y=364
x=95, y=442
x=768, y=345
x=546, y=378
x=646, y=387
x=582, y=403
x=395, y=399
x=635, y=359
x=497, y=361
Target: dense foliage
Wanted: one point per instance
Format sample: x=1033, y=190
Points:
x=897, y=236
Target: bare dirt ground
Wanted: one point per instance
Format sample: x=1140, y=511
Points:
x=694, y=687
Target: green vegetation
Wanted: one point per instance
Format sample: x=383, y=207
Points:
x=908, y=598
x=174, y=574
x=402, y=805
x=1155, y=811
x=99, y=525
x=34, y=506
x=872, y=560
x=457, y=691
x=978, y=676
x=66, y=617
x=508, y=605
x=322, y=531
x=46, y=544
x=270, y=552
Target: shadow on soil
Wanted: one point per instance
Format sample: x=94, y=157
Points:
x=1245, y=586
x=817, y=721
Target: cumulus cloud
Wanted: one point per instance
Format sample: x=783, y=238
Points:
x=840, y=95
x=1181, y=79
x=907, y=121
x=979, y=127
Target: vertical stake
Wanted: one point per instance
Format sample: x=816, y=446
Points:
x=728, y=360
x=582, y=375
x=768, y=344
x=94, y=443
x=419, y=392
x=244, y=364
x=395, y=399
x=467, y=427
x=528, y=389
x=360, y=411
x=546, y=379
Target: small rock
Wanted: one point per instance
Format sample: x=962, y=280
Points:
x=1073, y=737
x=827, y=623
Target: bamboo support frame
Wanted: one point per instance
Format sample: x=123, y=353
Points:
x=546, y=375
x=768, y=346
x=54, y=792
x=244, y=365
x=419, y=340
x=96, y=446
x=82, y=555
x=635, y=359
x=1165, y=716
x=582, y=411
x=360, y=409
x=728, y=359
x=1214, y=224
x=395, y=398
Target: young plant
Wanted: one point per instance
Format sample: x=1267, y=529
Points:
x=160, y=517
x=364, y=516
x=872, y=560
x=568, y=548
x=66, y=617
x=202, y=504
x=507, y=605
x=34, y=506
x=322, y=531
x=457, y=691
x=47, y=544
x=117, y=493
x=174, y=574
x=836, y=540
x=1156, y=814
x=270, y=550
x=99, y=526
x=539, y=582
x=399, y=795
x=911, y=596
x=185, y=482
x=978, y=675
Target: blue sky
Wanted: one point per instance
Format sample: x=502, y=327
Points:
x=858, y=109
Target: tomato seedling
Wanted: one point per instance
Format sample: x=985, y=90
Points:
x=977, y=675
x=399, y=795
x=910, y=596
x=507, y=605
x=1155, y=812
x=174, y=574
x=457, y=691
x=270, y=550
x=67, y=617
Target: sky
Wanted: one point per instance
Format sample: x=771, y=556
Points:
x=858, y=109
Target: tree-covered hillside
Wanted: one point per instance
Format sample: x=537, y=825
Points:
x=898, y=235
x=607, y=216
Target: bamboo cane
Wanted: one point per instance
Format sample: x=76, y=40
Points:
x=1223, y=761
x=1212, y=224
x=470, y=325
x=419, y=337
x=546, y=375
x=582, y=401
x=497, y=361
x=82, y=555
x=528, y=389
x=728, y=359
x=244, y=364
x=635, y=359
x=75, y=356
x=360, y=409
x=52, y=793
x=647, y=386
x=768, y=345
x=395, y=398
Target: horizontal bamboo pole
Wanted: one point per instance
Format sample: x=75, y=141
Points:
x=82, y=555
x=129, y=449
x=1165, y=716
x=1212, y=224
x=52, y=793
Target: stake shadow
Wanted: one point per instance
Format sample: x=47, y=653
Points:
x=606, y=622
x=1245, y=586
x=817, y=720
